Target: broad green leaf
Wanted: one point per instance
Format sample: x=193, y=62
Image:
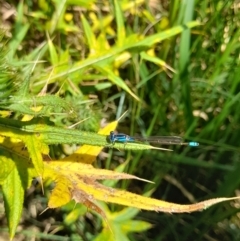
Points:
x=35, y=147
x=55, y=135
x=18, y=180
x=6, y=163
x=18, y=156
x=13, y=194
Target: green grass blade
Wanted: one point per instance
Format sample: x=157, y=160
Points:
x=121, y=34
x=91, y=40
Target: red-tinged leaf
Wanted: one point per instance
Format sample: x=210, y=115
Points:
x=13, y=194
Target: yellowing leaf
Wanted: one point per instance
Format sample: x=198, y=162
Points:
x=61, y=194
x=107, y=194
x=6, y=163
x=74, y=171
x=36, y=149
x=16, y=153
x=78, y=181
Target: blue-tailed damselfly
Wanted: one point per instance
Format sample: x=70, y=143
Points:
x=163, y=140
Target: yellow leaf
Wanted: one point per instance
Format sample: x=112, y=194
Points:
x=61, y=193
x=107, y=194
x=74, y=171
x=78, y=181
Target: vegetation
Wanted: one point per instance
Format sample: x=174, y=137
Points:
x=68, y=66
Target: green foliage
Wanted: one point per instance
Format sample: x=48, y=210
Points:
x=8, y=75
x=13, y=193
x=70, y=60
x=122, y=224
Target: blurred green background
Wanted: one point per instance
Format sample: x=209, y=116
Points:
x=184, y=82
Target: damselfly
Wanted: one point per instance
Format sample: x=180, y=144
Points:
x=163, y=140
